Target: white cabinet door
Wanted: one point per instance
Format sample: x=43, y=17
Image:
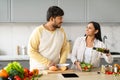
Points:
x=103, y=10
x=75, y=10
x=30, y=10
x=4, y=10
x=3, y=64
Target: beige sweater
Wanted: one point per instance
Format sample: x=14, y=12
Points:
x=45, y=46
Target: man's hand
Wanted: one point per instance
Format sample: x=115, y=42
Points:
x=51, y=64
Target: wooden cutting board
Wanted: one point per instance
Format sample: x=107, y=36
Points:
x=58, y=71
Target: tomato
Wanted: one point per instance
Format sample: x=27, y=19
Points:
x=17, y=77
x=3, y=73
x=85, y=68
x=26, y=72
x=108, y=72
x=35, y=71
x=30, y=73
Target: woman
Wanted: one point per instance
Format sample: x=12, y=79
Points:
x=82, y=49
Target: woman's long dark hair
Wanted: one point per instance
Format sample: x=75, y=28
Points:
x=97, y=27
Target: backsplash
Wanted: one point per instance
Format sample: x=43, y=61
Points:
x=17, y=34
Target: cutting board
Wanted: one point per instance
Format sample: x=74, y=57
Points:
x=58, y=71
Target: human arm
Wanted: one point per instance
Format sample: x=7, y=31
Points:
x=74, y=54
x=107, y=56
x=64, y=50
x=33, y=48
x=74, y=51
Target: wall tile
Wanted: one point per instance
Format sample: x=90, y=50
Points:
x=13, y=34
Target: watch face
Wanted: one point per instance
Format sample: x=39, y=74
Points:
x=70, y=75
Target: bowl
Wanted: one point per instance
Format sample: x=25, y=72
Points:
x=61, y=65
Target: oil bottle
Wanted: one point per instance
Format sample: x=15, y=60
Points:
x=103, y=50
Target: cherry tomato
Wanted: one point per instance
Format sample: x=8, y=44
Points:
x=17, y=77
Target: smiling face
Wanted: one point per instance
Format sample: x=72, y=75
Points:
x=90, y=30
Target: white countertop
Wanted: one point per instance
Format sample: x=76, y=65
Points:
x=114, y=56
x=82, y=76
x=26, y=57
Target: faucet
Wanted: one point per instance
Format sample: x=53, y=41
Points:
x=104, y=37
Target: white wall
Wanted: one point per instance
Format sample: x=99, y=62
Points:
x=13, y=34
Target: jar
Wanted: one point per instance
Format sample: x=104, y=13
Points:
x=102, y=69
x=110, y=68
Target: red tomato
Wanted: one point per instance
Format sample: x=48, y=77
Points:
x=30, y=73
x=26, y=72
x=85, y=68
x=35, y=71
x=108, y=72
x=17, y=77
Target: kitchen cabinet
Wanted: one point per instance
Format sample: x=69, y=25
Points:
x=103, y=62
x=3, y=64
x=116, y=60
x=24, y=63
x=30, y=10
x=4, y=10
x=103, y=10
x=75, y=11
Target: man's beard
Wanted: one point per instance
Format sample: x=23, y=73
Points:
x=56, y=26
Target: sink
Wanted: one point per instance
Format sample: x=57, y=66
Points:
x=115, y=53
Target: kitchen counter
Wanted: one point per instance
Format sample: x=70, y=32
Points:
x=26, y=57
x=114, y=56
x=82, y=76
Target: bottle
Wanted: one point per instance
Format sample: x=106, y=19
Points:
x=18, y=50
x=115, y=68
x=101, y=50
x=23, y=50
x=102, y=69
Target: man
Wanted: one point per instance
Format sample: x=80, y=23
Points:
x=47, y=44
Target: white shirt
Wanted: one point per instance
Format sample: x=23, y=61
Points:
x=78, y=52
x=88, y=55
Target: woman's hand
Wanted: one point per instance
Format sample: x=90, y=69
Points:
x=108, y=54
x=77, y=63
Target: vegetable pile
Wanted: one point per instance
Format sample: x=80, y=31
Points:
x=15, y=71
x=108, y=72
x=86, y=66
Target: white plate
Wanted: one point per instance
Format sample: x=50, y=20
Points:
x=60, y=65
